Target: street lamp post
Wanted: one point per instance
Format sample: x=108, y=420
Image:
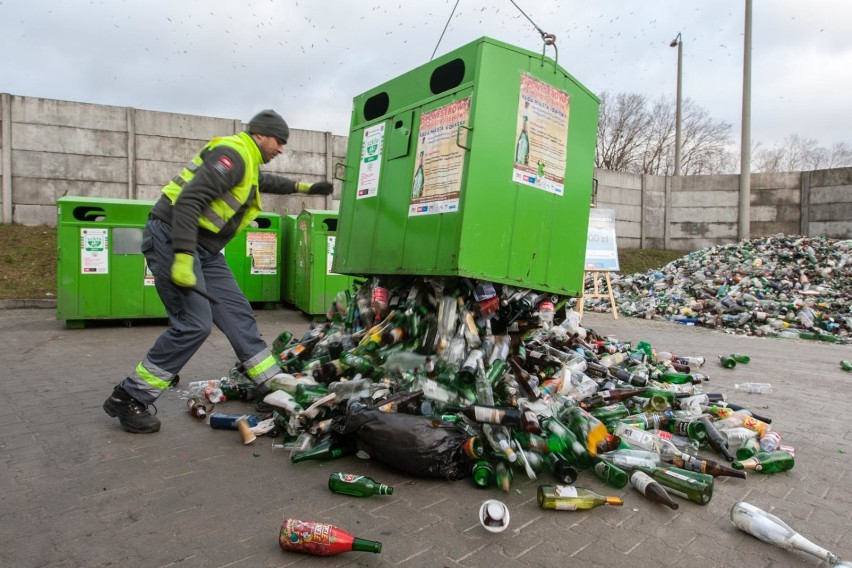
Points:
x=678, y=42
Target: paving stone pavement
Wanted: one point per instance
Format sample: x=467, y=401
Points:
x=76, y=490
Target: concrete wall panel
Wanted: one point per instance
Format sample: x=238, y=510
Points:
x=33, y=110
x=67, y=140
x=68, y=166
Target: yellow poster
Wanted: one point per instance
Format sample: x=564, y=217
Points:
x=436, y=182
x=541, y=136
x=261, y=249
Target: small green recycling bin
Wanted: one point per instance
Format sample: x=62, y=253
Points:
x=254, y=256
x=101, y=272
x=315, y=284
x=478, y=164
x=289, y=260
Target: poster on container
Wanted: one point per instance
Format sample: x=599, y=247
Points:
x=261, y=248
x=371, y=161
x=541, y=136
x=94, y=251
x=436, y=181
x=601, y=246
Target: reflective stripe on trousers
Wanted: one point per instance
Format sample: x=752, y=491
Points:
x=192, y=317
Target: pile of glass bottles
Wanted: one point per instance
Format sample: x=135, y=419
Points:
x=784, y=286
x=541, y=395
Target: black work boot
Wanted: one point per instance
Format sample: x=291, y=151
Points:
x=132, y=414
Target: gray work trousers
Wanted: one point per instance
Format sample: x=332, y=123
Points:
x=191, y=315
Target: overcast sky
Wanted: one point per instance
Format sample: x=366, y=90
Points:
x=309, y=58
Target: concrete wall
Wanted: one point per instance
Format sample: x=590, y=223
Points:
x=51, y=148
x=54, y=148
x=693, y=212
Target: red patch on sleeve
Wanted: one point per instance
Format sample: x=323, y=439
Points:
x=225, y=161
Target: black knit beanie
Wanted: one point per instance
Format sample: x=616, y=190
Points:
x=269, y=123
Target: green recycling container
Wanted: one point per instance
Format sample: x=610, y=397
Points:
x=289, y=259
x=101, y=272
x=316, y=284
x=254, y=256
x=478, y=164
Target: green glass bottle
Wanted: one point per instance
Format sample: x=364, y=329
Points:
x=307, y=394
x=609, y=413
x=652, y=489
x=483, y=474
x=574, y=450
x=690, y=428
x=503, y=474
x=611, y=474
x=727, y=361
x=571, y=498
x=740, y=357
x=328, y=449
x=678, y=378
x=766, y=462
x=562, y=470
x=714, y=468
x=356, y=485
x=690, y=485
x=846, y=365
x=749, y=448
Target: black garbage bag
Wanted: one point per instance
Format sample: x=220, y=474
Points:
x=417, y=445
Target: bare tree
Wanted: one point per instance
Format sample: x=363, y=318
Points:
x=796, y=153
x=622, y=131
x=636, y=135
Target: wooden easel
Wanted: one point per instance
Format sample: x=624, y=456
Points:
x=597, y=294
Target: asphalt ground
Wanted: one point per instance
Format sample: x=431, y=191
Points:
x=76, y=490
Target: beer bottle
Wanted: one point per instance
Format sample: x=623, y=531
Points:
x=766, y=462
x=527, y=381
x=483, y=474
x=714, y=468
x=321, y=539
x=715, y=438
x=651, y=489
x=561, y=469
x=749, y=448
x=197, y=408
x=356, y=485
x=327, y=449
x=727, y=361
x=571, y=498
x=610, y=474
x=503, y=475
x=506, y=416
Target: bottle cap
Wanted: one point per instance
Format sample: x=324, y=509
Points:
x=494, y=516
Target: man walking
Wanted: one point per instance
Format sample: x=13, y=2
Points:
x=215, y=196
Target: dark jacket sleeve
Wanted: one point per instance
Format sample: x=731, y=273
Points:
x=280, y=185
x=222, y=169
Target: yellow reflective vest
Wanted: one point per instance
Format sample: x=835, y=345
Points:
x=223, y=208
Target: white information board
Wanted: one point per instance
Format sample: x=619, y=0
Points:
x=601, y=247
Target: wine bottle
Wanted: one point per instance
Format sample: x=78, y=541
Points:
x=690, y=485
x=321, y=539
x=571, y=498
x=771, y=529
x=651, y=489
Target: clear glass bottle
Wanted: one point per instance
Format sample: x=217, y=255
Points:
x=769, y=528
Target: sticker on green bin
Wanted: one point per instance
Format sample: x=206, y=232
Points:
x=94, y=249
x=541, y=135
x=436, y=180
x=262, y=250
x=371, y=163
x=329, y=257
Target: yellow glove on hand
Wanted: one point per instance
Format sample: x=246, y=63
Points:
x=303, y=187
x=182, y=272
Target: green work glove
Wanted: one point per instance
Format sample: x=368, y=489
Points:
x=318, y=188
x=182, y=272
